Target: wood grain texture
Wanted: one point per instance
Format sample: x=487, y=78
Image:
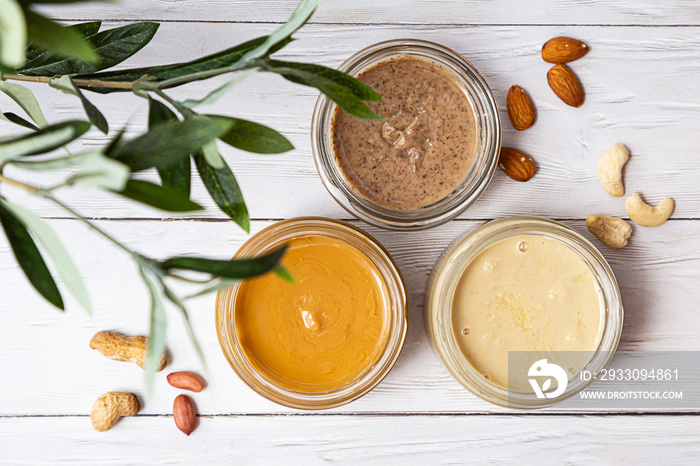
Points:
x=604, y=12
x=641, y=90
x=311, y=440
x=658, y=273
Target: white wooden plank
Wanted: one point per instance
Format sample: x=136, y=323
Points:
x=306, y=440
x=641, y=85
x=48, y=367
x=400, y=11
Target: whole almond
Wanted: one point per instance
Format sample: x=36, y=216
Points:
x=521, y=111
x=184, y=415
x=186, y=381
x=516, y=165
x=565, y=85
x=563, y=50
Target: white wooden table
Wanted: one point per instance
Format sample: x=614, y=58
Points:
x=642, y=89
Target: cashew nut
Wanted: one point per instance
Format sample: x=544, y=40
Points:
x=614, y=232
x=123, y=348
x=646, y=215
x=109, y=407
x=610, y=169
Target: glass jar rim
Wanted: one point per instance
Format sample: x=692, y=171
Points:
x=447, y=272
x=471, y=187
x=273, y=236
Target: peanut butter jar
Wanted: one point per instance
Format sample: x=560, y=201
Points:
x=329, y=337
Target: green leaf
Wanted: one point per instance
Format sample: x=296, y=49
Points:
x=44, y=140
x=254, y=137
x=212, y=155
x=237, y=268
x=18, y=120
x=300, y=16
x=26, y=100
x=160, y=73
x=156, y=335
x=346, y=91
x=282, y=272
x=93, y=168
x=158, y=196
x=13, y=34
x=112, y=46
x=177, y=175
x=168, y=142
x=175, y=299
x=54, y=247
x=224, y=189
x=84, y=30
x=217, y=93
x=218, y=284
x=49, y=35
x=64, y=84
x=29, y=258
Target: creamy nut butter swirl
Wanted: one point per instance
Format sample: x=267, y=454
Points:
x=424, y=148
x=321, y=332
x=525, y=293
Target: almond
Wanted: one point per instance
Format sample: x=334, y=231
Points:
x=186, y=381
x=184, y=415
x=563, y=50
x=521, y=111
x=516, y=165
x=565, y=85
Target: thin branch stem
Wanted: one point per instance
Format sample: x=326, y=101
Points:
x=18, y=184
x=77, y=82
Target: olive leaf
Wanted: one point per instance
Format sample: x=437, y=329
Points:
x=168, y=142
x=237, y=268
x=29, y=258
x=65, y=85
x=112, y=47
x=44, y=140
x=18, y=120
x=13, y=34
x=26, y=100
x=84, y=30
x=49, y=35
x=158, y=196
x=158, y=324
x=282, y=272
x=349, y=93
x=253, y=137
x=92, y=168
x=216, y=285
x=175, y=299
x=217, y=93
x=300, y=16
x=224, y=190
x=54, y=247
x=177, y=175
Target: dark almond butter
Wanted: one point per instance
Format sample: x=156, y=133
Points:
x=521, y=110
x=563, y=50
x=565, y=85
x=516, y=165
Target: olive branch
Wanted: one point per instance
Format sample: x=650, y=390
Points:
x=73, y=60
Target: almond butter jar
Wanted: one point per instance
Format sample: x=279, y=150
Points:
x=514, y=292
x=431, y=156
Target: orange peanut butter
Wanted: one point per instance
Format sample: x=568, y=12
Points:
x=321, y=332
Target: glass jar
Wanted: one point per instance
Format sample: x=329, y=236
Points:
x=395, y=314
x=445, y=278
x=488, y=144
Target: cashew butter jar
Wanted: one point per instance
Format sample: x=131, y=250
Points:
x=329, y=337
x=433, y=152
x=518, y=299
